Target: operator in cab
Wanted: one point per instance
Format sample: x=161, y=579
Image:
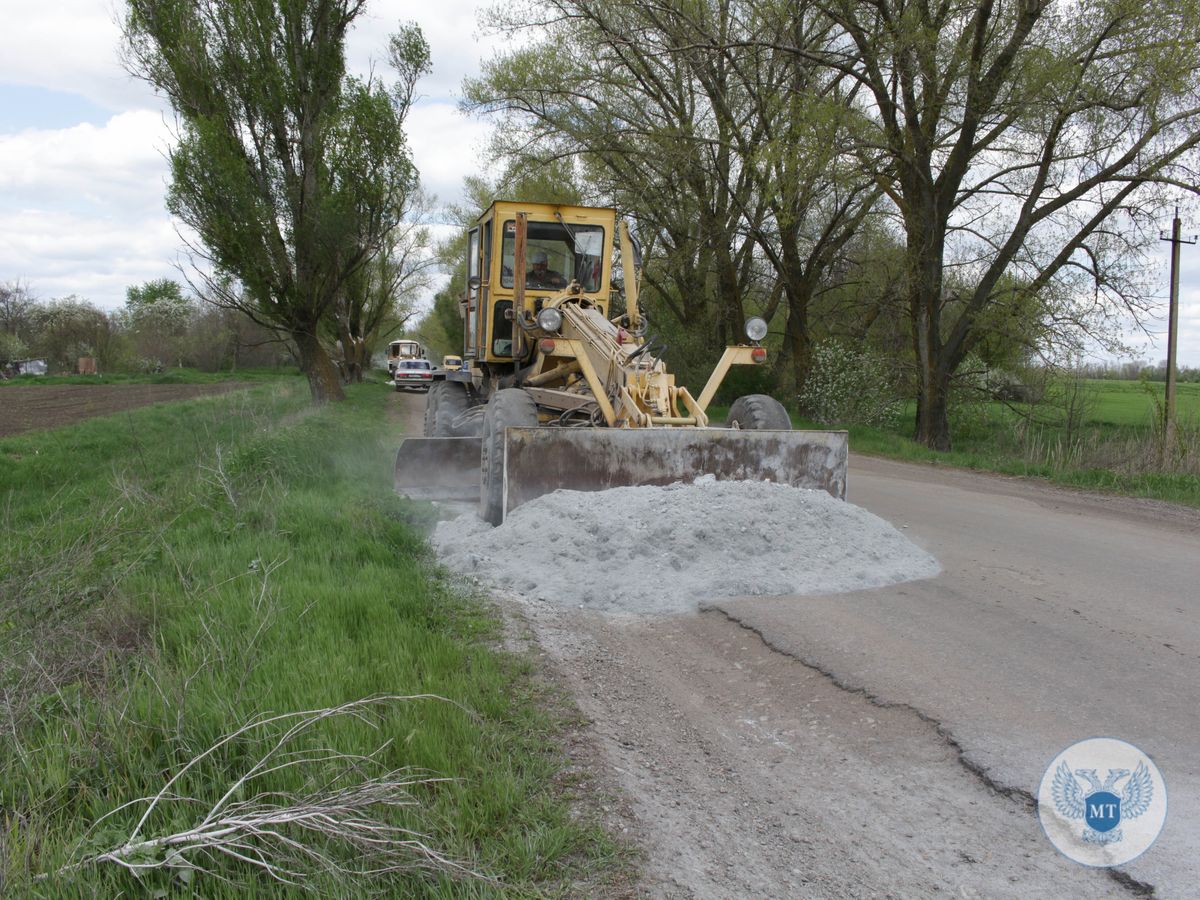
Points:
x=541, y=275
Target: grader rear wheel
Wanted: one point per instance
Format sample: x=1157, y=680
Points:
x=510, y=407
x=432, y=400
x=452, y=403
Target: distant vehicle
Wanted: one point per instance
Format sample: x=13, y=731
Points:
x=29, y=367
x=451, y=362
x=413, y=375
x=398, y=350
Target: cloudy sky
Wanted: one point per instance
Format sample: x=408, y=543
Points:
x=82, y=172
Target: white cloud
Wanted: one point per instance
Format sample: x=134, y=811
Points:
x=119, y=165
x=71, y=46
x=446, y=147
x=94, y=256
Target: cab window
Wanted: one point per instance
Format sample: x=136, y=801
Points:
x=555, y=255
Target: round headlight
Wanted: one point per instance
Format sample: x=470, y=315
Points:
x=549, y=319
x=756, y=328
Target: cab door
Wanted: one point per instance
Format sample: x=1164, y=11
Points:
x=470, y=338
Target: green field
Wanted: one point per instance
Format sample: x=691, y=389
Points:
x=179, y=572
x=1132, y=403
x=1114, y=446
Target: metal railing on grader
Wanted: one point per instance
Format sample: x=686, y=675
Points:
x=555, y=394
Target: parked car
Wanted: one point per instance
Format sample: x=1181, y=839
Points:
x=413, y=375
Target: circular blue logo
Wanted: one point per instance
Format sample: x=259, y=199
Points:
x=1102, y=802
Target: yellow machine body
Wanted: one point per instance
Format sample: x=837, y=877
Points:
x=551, y=376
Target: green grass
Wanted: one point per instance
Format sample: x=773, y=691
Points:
x=1131, y=403
x=168, y=376
x=172, y=573
x=1115, y=449
x=1003, y=458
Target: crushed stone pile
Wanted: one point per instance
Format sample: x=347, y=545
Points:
x=672, y=549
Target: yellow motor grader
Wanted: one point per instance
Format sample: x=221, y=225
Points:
x=553, y=393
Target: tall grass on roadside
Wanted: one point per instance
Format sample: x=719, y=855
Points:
x=174, y=575
x=1097, y=458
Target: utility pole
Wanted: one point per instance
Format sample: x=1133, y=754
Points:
x=1176, y=240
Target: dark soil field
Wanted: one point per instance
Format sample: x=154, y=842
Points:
x=51, y=406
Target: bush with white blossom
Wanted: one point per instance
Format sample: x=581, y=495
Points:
x=849, y=385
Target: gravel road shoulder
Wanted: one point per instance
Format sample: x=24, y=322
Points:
x=751, y=774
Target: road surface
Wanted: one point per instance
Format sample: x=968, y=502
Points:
x=889, y=742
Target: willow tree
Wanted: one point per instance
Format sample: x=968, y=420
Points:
x=290, y=172
x=1025, y=142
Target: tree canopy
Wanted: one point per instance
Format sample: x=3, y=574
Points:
x=1017, y=155
x=291, y=172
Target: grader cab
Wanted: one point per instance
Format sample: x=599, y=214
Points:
x=557, y=392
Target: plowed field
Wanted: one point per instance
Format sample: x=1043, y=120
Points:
x=50, y=406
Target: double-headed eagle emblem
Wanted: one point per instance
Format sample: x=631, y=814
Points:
x=1099, y=805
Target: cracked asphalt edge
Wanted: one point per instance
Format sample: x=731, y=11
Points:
x=1009, y=792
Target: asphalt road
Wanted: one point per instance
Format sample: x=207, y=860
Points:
x=888, y=743
x=1057, y=617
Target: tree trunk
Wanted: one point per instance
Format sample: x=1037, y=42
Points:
x=926, y=246
x=729, y=296
x=797, y=341
x=933, y=423
x=315, y=363
x=362, y=360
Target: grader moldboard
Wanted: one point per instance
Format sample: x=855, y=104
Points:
x=554, y=394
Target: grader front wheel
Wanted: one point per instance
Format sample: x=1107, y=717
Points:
x=758, y=412
x=508, y=408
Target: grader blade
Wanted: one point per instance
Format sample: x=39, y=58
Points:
x=438, y=468
x=540, y=460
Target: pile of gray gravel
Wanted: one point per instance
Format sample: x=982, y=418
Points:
x=672, y=549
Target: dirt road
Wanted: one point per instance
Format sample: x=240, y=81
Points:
x=887, y=742
x=33, y=407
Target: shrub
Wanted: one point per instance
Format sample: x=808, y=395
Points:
x=849, y=385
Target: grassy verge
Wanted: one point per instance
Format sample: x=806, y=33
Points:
x=1054, y=464
x=172, y=574
x=169, y=376
x=1101, y=456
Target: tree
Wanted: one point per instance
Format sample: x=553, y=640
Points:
x=16, y=308
x=159, y=315
x=1026, y=143
x=67, y=328
x=726, y=147
x=440, y=330
x=379, y=298
x=291, y=172
x=11, y=348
